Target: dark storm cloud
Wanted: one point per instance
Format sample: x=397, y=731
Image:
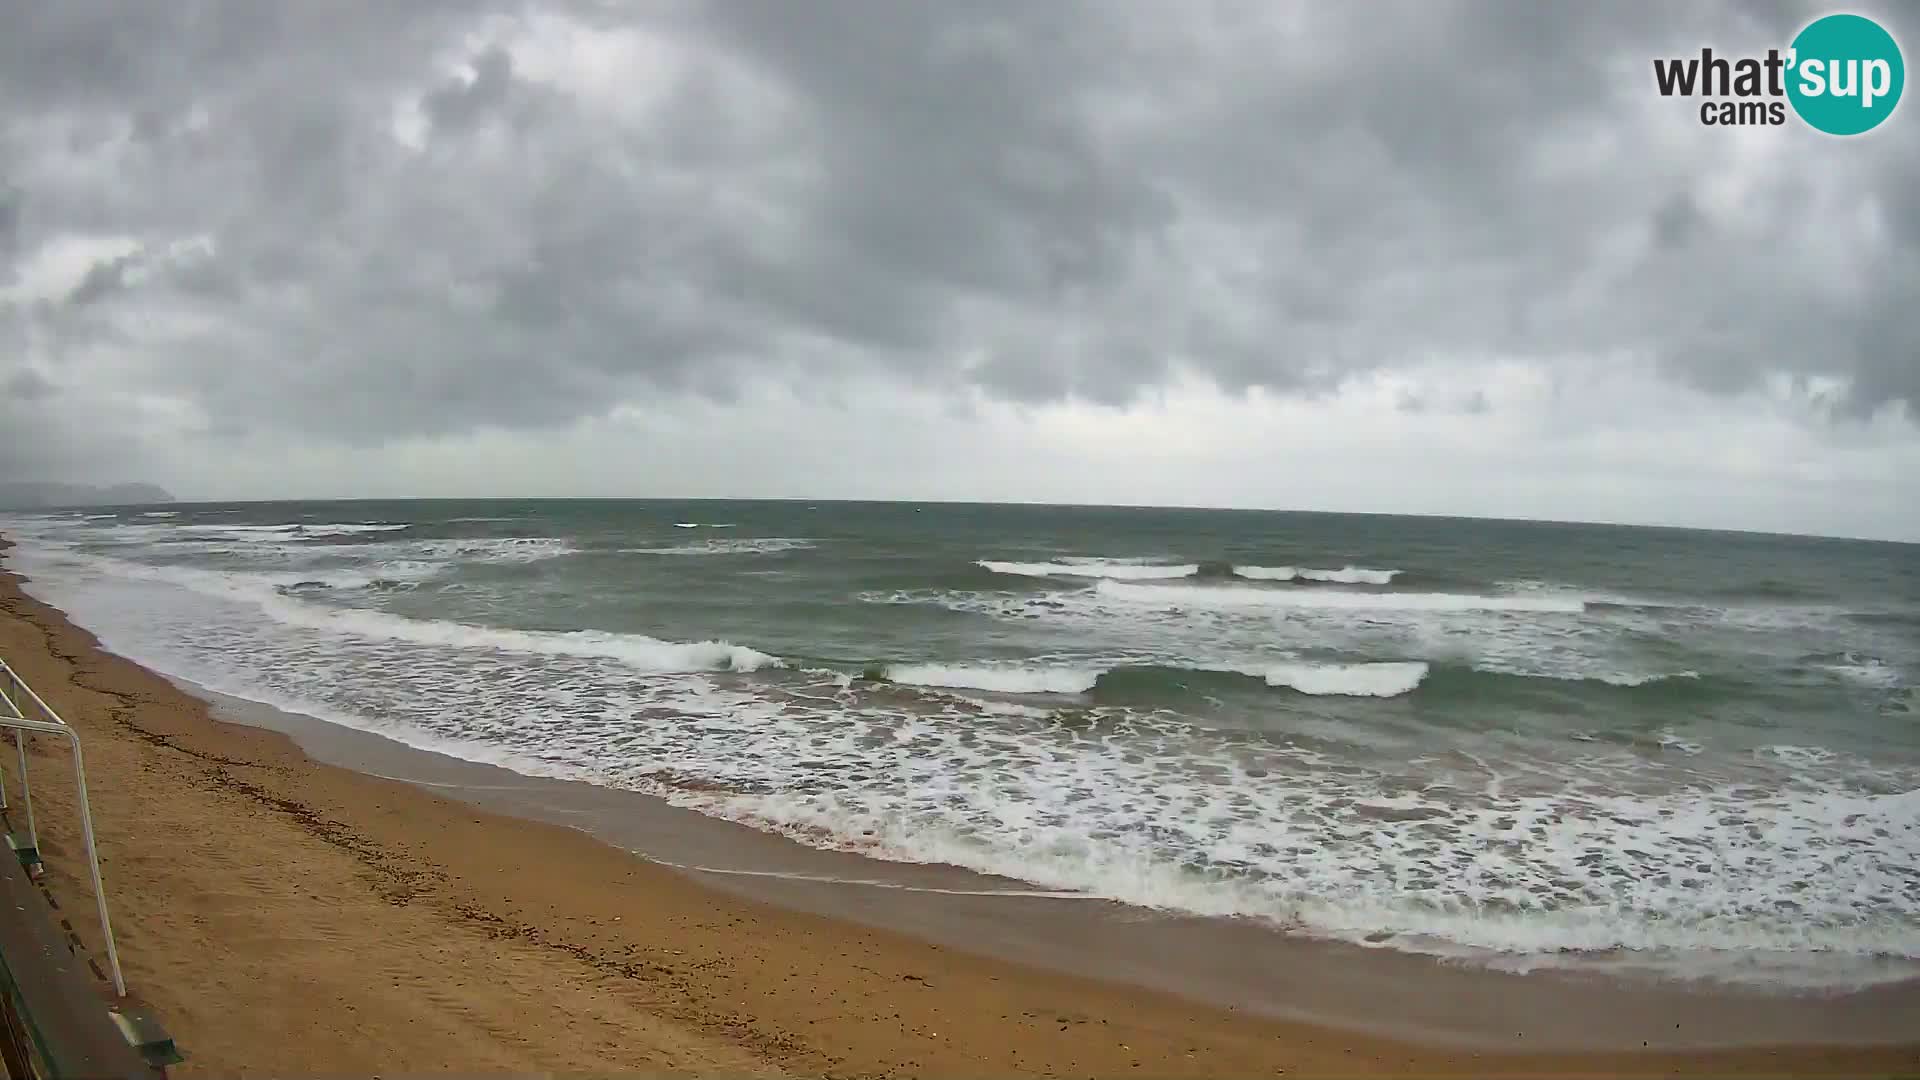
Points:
x=27, y=386
x=1676, y=221
x=374, y=221
x=9, y=218
x=102, y=279
x=457, y=104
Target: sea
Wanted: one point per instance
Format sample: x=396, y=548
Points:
x=1652, y=753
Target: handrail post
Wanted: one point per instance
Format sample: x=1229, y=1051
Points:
x=93, y=865
x=26, y=788
x=6, y=695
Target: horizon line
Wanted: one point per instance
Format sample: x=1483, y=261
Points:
x=974, y=502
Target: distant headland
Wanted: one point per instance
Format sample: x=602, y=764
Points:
x=34, y=495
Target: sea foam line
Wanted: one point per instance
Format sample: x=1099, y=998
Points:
x=1000, y=680
x=1347, y=575
x=1219, y=598
x=763, y=545
x=1090, y=569
x=1363, y=679
x=638, y=651
x=1380, y=679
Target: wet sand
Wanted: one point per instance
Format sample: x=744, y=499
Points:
x=283, y=913
x=1235, y=965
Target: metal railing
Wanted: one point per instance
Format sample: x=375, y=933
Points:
x=15, y=697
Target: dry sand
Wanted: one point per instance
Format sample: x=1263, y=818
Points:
x=287, y=916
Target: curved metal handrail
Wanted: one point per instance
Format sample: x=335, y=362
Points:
x=13, y=690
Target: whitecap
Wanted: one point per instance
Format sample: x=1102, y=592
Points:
x=1090, y=569
x=1207, y=597
x=1003, y=680
x=1351, y=680
x=1347, y=575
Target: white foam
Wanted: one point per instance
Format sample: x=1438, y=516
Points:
x=760, y=545
x=241, y=533
x=1803, y=756
x=505, y=549
x=1207, y=597
x=1181, y=624
x=995, y=707
x=407, y=572
x=1524, y=877
x=1110, y=560
x=1619, y=678
x=1670, y=741
x=1352, y=680
x=1865, y=670
x=1373, y=679
x=350, y=528
x=1347, y=575
x=161, y=513
x=1351, y=575
x=1002, y=680
x=637, y=651
x=1462, y=843
x=292, y=549
x=1090, y=569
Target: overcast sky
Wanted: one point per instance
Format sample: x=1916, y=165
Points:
x=1427, y=258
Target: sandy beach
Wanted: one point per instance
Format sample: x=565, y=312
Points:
x=286, y=915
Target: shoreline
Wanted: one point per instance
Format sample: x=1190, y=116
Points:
x=1236, y=965
x=281, y=911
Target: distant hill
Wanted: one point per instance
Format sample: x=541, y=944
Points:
x=31, y=495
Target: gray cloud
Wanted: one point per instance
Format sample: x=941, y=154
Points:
x=456, y=105
x=103, y=279
x=28, y=386
x=1676, y=222
x=364, y=222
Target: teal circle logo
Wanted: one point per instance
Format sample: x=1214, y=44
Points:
x=1846, y=74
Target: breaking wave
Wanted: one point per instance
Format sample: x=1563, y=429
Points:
x=763, y=545
x=1217, y=598
x=1348, y=575
x=272, y=596
x=1146, y=682
x=1091, y=568
x=999, y=680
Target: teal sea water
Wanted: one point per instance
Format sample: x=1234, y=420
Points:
x=1685, y=754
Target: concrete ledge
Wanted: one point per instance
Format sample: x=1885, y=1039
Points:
x=57, y=1025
